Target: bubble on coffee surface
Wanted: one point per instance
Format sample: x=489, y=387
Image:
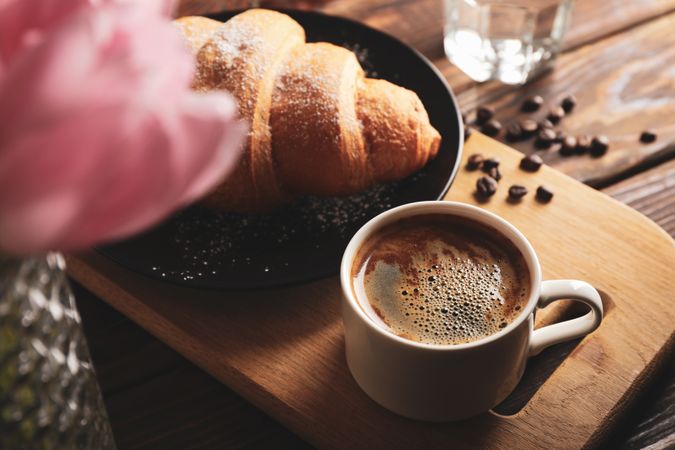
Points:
x=444, y=294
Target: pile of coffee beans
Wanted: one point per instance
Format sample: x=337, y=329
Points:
x=487, y=185
x=546, y=137
x=544, y=132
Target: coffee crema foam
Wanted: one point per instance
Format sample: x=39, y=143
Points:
x=440, y=279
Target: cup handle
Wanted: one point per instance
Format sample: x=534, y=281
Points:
x=569, y=329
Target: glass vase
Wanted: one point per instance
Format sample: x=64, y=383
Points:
x=49, y=396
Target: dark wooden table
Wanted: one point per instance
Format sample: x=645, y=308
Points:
x=618, y=60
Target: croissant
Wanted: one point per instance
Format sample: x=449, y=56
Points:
x=318, y=126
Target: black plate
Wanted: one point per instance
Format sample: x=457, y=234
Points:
x=305, y=240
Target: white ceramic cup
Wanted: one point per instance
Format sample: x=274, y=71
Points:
x=451, y=382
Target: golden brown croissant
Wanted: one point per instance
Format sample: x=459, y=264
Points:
x=318, y=125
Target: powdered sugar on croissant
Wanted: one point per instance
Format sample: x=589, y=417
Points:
x=318, y=125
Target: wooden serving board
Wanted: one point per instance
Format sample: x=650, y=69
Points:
x=283, y=349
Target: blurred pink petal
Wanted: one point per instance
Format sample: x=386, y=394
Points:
x=24, y=22
x=102, y=136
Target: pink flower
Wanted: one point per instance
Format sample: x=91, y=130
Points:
x=100, y=135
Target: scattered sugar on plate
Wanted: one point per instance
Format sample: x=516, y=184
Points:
x=308, y=231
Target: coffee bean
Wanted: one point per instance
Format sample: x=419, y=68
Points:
x=475, y=161
x=486, y=186
x=532, y=104
x=528, y=127
x=516, y=192
x=492, y=128
x=490, y=163
x=544, y=124
x=514, y=132
x=483, y=114
x=531, y=163
x=568, y=103
x=495, y=173
x=599, y=146
x=647, y=136
x=556, y=114
x=544, y=138
x=569, y=146
x=583, y=144
x=544, y=194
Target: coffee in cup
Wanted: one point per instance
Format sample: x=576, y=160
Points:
x=440, y=279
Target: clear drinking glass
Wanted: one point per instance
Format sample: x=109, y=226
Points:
x=506, y=40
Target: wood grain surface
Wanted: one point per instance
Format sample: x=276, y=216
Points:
x=156, y=399
x=624, y=81
x=129, y=361
x=652, y=193
x=632, y=91
x=176, y=415
x=289, y=361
